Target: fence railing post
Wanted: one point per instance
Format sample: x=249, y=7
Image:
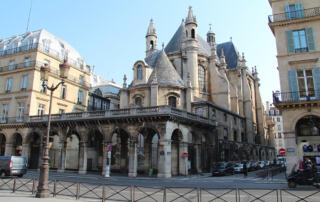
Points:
x=55, y=188
x=164, y=194
x=78, y=191
x=33, y=186
x=14, y=185
x=132, y=193
x=199, y=194
x=103, y=193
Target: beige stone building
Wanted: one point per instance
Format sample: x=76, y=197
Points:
x=296, y=27
x=22, y=94
x=276, y=117
x=190, y=104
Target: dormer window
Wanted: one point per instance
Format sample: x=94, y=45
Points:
x=139, y=72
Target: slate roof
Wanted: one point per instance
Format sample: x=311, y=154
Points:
x=230, y=53
x=166, y=74
x=175, y=43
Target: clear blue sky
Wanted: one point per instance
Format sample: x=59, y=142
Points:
x=111, y=34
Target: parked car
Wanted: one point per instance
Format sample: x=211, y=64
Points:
x=303, y=177
x=261, y=164
x=254, y=165
x=268, y=163
x=13, y=166
x=223, y=168
x=238, y=168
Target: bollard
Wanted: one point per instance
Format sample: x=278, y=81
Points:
x=199, y=194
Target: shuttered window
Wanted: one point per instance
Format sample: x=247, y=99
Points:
x=294, y=11
x=300, y=40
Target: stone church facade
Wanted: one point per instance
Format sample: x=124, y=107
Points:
x=190, y=104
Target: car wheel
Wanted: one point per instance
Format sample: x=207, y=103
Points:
x=21, y=175
x=292, y=184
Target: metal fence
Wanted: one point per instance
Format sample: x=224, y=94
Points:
x=104, y=192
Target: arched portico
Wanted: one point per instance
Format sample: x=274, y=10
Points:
x=120, y=149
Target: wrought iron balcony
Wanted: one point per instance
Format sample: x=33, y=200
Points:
x=298, y=96
x=306, y=13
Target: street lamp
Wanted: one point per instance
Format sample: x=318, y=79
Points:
x=43, y=188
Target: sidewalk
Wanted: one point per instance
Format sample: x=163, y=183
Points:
x=21, y=197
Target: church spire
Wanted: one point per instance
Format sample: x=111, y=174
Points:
x=191, y=18
x=151, y=39
x=151, y=30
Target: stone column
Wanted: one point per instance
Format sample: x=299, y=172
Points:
x=83, y=150
x=164, y=161
x=183, y=161
x=62, y=159
x=8, y=149
x=198, y=162
x=133, y=160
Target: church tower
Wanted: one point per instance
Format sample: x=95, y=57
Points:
x=190, y=46
x=151, y=39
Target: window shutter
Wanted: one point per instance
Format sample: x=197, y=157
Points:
x=310, y=40
x=293, y=84
x=288, y=12
x=299, y=10
x=290, y=43
x=316, y=80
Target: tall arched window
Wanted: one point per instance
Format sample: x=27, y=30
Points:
x=172, y=101
x=139, y=72
x=151, y=45
x=138, y=101
x=202, y=79
x=193, y=34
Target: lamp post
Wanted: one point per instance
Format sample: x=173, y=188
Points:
x=43, y=188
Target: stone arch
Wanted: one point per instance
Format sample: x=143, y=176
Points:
x=148, y=149
x=2, y=144
x=16, y=144
x=120, y=147
x=95, y=150
x=299, y=116
x=54, y=149
x=176, y=139
x=33, y=141
x=72, y=141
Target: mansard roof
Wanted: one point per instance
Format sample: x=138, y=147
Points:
x=59, y=48
x=165, y=73
x=230, y=52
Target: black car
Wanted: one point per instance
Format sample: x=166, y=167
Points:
x=223, y=168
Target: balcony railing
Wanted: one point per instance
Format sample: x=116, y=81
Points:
x=297, y=96
x=39, y=64
x=19, y=66
x=281, y=17
x=6, y=120
x=41, y=47
x=128, y=112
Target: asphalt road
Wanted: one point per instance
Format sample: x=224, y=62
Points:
x=206, y=181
